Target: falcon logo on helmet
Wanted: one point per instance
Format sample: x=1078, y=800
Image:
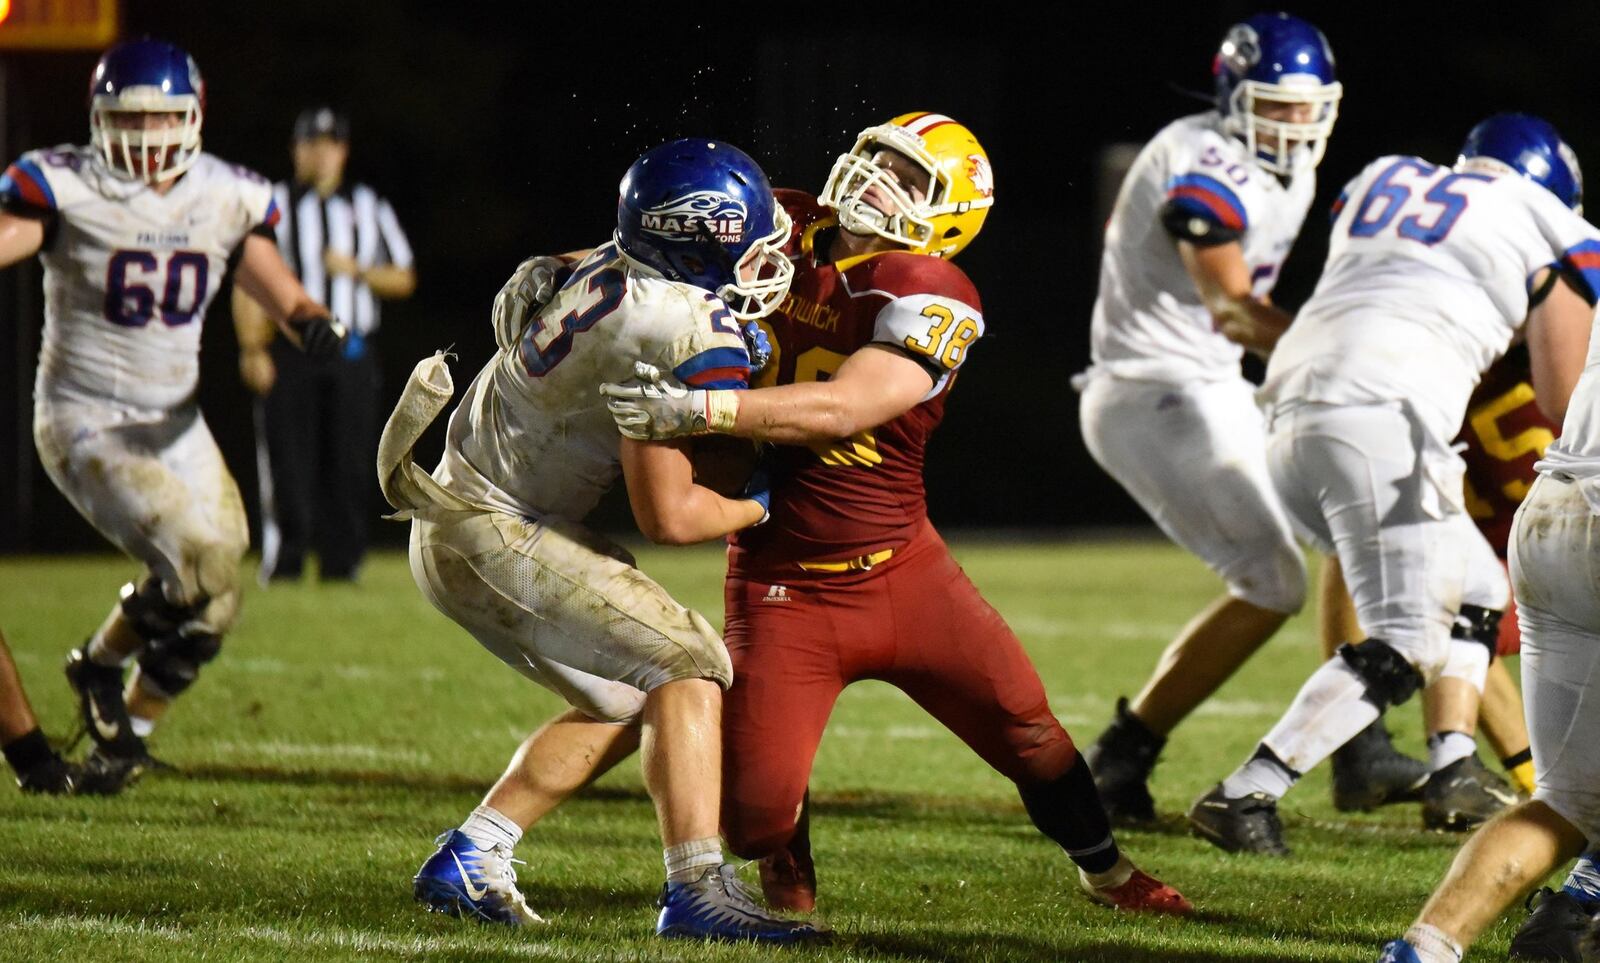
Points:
x=684, y=217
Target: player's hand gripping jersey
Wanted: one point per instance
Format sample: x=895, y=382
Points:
x=532, y=436
x=1425, y=285
x=855, y=496
x=129, y=272
x=1191, y=182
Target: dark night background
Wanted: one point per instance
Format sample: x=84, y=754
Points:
x=502, y=133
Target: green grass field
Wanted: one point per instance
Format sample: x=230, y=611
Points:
x=343, y=727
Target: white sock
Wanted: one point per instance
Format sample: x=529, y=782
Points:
x=488, y=827
x=1446, y=747
x=1432, y=945
x=1119, y=873
x=1327, y=712
x=100, y=654
x=1261, y=773
x=142, y=727
x=688, y=861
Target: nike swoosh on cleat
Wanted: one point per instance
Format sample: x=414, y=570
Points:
x=108, y=730
x=474, y=893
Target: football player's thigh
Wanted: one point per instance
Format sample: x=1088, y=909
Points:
x=451, y=583
x=959, y=660
x=1194, y=458
x=786, y=678
x=1404, y=566
x=1561, y=690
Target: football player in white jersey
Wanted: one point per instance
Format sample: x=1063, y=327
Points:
x=1202, y=224
x=1431, y=273
x=135, y=232
x=498, y=544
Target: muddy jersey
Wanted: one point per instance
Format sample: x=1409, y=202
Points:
x=854, y=496
x=128, y=272
x=532, y=436
x=1505, y=433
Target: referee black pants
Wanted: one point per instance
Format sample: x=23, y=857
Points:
x=316, y=443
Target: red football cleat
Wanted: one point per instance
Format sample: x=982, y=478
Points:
x=1140, y=893
x=789, y=882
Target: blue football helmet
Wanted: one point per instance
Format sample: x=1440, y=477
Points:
x=702, y=212
x=1529, y=146
x=1283, y=63
x=146, y=103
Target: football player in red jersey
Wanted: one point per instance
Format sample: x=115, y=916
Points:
x=848, y=580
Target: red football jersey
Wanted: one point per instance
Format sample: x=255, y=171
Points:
x=1505, y=433
x=857, y=495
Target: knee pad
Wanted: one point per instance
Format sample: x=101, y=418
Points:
x=171, y=664
x=1274, y=580
x=148, y=612
x=1390, y=680
x=1478, y=624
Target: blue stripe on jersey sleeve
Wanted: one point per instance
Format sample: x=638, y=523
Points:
x=23, y=181
x=715, y=368
x=1582, y=260
x=1206, y=197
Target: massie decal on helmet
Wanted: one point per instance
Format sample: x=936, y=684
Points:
x=721, y=216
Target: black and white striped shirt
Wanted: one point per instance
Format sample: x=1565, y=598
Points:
x=353, y=221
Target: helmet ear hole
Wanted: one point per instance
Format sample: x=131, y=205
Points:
x=953, y=232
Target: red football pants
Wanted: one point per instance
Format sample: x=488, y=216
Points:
x=916, y=622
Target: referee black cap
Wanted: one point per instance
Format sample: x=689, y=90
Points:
x=321, y=122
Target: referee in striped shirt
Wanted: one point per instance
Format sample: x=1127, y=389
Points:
x=317, y=419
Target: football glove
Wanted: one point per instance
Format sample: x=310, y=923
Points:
x=759, y=488
x=757, y=346
x=531, y=286
x=657, y=409
x=320, y=335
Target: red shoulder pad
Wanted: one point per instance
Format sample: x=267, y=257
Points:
x=901, y=274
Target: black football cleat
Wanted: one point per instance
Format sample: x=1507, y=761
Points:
x=1553, y=929
x=1368, y=772
x=1121, y=761
x=1463, y=795
x=100, y=705
x=105, y=774
x=1248, y=824
x=52, y=777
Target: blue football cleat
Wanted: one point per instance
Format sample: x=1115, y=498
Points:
x=718, y=907
x=460, y=879
x=1399, y=951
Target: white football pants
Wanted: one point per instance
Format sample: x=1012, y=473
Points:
x=1193, y=456
x=1555, y=566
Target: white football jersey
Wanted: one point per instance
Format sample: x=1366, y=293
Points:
x=532, y=436
x=1425, y=285
x=128, y=273
x=1576, y=453
x=1149, y=321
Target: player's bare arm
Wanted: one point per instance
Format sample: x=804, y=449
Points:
x=875, y=385
x=668, y=506
x=20, y=238
x=1223, y=280
x=1558, y=343
x=264, y=276
x=255, y=332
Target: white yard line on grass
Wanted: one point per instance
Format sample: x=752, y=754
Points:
x=332, y=751
x=353, y=673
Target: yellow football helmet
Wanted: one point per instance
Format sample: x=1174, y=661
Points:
x=961, y=185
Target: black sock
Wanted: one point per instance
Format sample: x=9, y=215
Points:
x=1068, y=810
x=28, y=750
